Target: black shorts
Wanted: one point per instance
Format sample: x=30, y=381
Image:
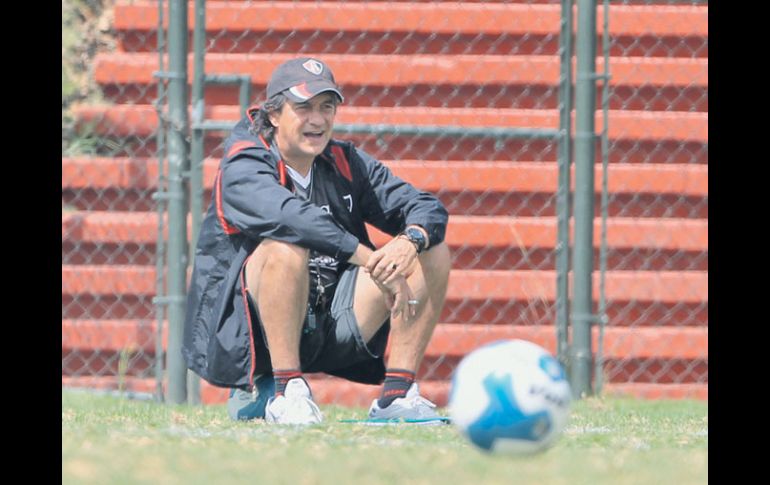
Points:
x=331, y=341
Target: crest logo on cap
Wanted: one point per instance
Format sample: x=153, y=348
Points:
x=313, y=66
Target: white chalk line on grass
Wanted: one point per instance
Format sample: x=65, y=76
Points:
x=587, y=430
x=578, y=430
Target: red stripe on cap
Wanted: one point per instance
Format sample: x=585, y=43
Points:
x=342, y=162
x=302, y=90
x=229, y=230
x=240, y=145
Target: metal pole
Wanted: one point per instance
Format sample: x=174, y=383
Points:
x=564, y=192
x=160, y=250
x=585, y=137
x=196, y=149
x=599, y=364
x=196, y=153
x=244, y=94
x=177, y=210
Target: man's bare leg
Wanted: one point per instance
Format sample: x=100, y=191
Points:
x=408, y=339
x=277, y=279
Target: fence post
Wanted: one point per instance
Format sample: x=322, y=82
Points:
x=160, y=199
x=602, y=314
x=196, y=155
x=177, y=207
x=564, y=192
x=585, y=138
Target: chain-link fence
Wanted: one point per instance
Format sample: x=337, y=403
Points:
x=109, y=223
x=657, y=207
x=412, y=73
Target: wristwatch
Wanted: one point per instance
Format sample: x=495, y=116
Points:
x=416, y=237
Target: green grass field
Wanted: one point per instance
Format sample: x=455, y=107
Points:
x=106, y=439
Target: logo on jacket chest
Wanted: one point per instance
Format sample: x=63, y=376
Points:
x=348, y=198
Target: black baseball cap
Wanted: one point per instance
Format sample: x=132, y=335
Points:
x=301, y=79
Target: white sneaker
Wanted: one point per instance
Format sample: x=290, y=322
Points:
x=412, y=408
x=296, y=406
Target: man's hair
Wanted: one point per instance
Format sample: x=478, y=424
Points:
x=262, y=125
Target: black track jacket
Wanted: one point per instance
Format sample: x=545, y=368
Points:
x=252, y=200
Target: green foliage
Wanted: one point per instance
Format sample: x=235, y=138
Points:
x=608, y=441
x=85, y=31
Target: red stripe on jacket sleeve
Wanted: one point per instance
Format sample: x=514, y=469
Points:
x=250, y=110
x=282, y=172
x=240, y=145
x=253, y=352
x=229, y=229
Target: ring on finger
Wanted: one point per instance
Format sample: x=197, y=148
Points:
x=393, y=266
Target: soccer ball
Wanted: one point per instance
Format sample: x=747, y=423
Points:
x=510, y=397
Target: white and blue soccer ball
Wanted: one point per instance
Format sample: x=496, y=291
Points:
x=510, y=397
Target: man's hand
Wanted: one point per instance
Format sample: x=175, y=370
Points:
x=398, y=296
x=392, y=261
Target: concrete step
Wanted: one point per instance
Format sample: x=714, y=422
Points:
x=142, y=120
x=463, y=257
x=512, y=204
x=329, y=390
x=481, y=232
x=354, y=71
x=641, y=313
x=417, y=28
x=464, y=285
x=434, y=176
x=466, y=188
x=433, y=368
x=449, y=339
x=447, y=17
x=457, y=81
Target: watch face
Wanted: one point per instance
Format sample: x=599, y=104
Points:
x=414, y=233
x=416, y=236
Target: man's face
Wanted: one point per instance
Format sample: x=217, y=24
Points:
x=304, y=129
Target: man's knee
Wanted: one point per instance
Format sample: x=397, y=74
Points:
x=272, y=254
